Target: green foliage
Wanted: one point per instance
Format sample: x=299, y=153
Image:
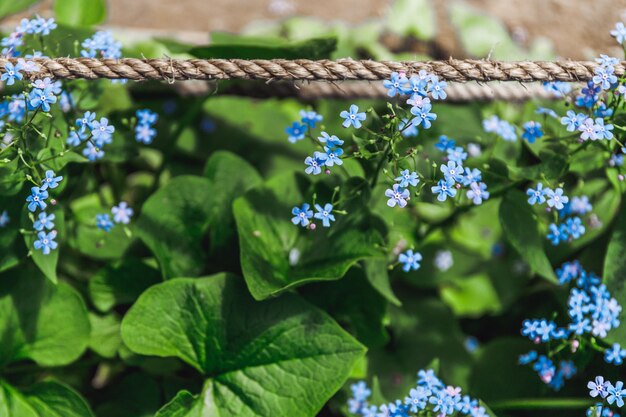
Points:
x=80, y=12
x=291, y=356
x=229, y=46
x=10, y=7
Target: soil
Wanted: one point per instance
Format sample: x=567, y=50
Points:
x=578, y=28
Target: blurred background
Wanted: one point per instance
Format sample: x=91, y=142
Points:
x=506, y=29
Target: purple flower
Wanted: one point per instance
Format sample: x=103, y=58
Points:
x=397, y=196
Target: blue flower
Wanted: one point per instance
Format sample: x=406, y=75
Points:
x=360, y=392
x=532, y=131
x=598, y=387
x=415, y=87
x=429, y=380
x=457, y=155
x=589, y=95
x=45, y=221
x=310, y=118
x=452, y=172
x=589, y=129
x=330, y=140
x=442, y=403
x=423, y=116
x=603, y=131
x=547, y=112
x=575, y=227
x=324, y=214
x=568, y=271
x=45, y=242
x=471, y=175
x=144, y=133
x=619, y=33
x=397, y=196
x=75, y=138
x=418, y=398
x=332, y=156
x=438, y=89
x=407, y=178
x=478, y=192
x=353, y=117
x=296, y=132
x=92, y=153
x=102, y=132
x=444, y=143
x=314, y=163
x=616, y=394
x=41, y=98
x=580, y=205
x=85, y=122
x=444, y=189
x=4, y=218
x=36, y=200
x=103, y=222
x=615, y=354
x=122, y=213
x=506, y=131
x=603, y=111
x=101, y=45
x=556, y=198
x=605, y=77
x=555, y=234
x=491, y=124
x=558, y=88
x=302, y=215
x=145, y=116
x=11, y=73
x=407, y=128
x=527, y=358
x=410, y=259
x=395, y=84
x=573, y=120
x=50, y=180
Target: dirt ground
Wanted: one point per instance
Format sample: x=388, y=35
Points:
x=578, y=28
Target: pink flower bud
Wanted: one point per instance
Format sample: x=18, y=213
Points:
x=53, y=202
x=312, y=226
x=575, y=345
x=620, y=177
x=457, y=186
x=327, y=172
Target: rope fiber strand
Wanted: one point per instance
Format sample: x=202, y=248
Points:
x=302, y=69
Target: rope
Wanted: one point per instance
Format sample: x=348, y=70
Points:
x=302, y=69
x=315, y=90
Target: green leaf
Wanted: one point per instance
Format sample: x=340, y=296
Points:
x=80, y=12
x=377, y=274
x=45, y=399
x=412, y=17
x=40, y=321
x=553, y=166
x=173, y=223
x=520, y=228
x=184, y=404
x=46, y=263
x=277, y=255
x=614, y=275
x=231, y=176
x=232, y=47
x=86, y=238
x=11, y=7
x=257, y=357
x=105, y=337
x=471, y=296
x=121, y=283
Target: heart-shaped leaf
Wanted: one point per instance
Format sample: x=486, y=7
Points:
x=45, y=399
x=520, y=228
x=173, y=223
x=257, y=357
x=40, y=321
x=276, y=255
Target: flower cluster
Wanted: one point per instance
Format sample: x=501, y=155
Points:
x=36, y=26
x=96, y=134
x=330, y=157
x=609, y=392
x=501, y=128
x=558, y=88
x=144, y=131
x=455, y=175
x=121, y=215
x=430, y=395
x=101, y=45
x=302, y=215
x=37, y=201
x=592, y=312
x=308, y=120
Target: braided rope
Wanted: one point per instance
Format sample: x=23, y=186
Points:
x=302, y=69
x=457, y=92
